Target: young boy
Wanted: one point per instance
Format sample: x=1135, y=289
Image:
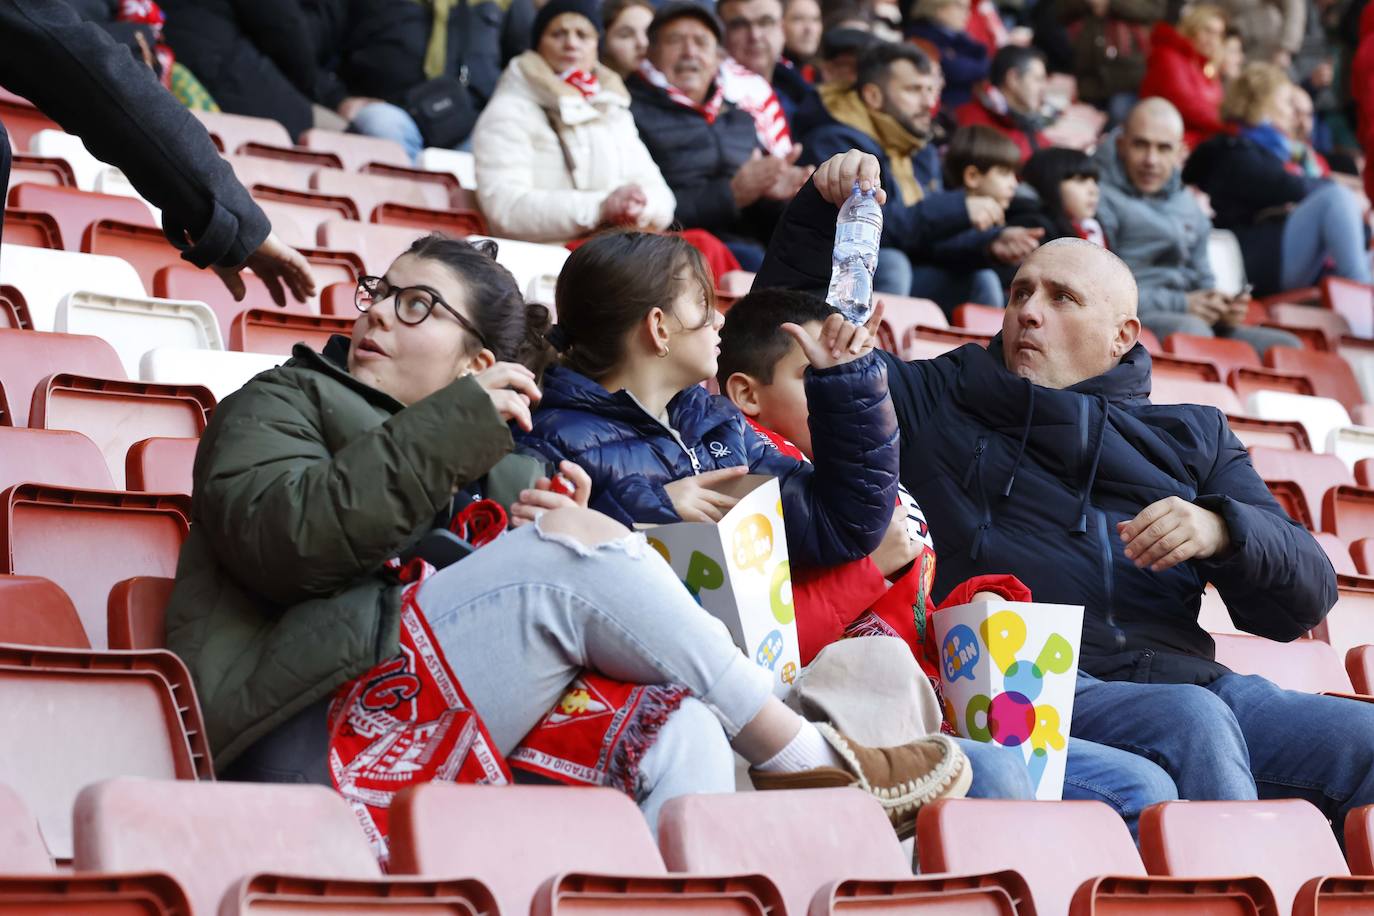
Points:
x=761, y=370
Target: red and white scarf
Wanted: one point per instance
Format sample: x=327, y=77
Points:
x=710, y=109
x=750, y=92
x=585, y=82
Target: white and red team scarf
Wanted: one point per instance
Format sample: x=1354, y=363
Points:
x=585, y=82
x=710, y=109
x=744, y=89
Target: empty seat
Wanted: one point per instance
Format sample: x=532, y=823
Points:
x=22, y=120
x=1071, y=852
x=528, y=261
x=116, y=413
x=455, y=222
x=27, y=358
x=75, y=209
x=330, y=267
x=68, y=147
x=1359, y=665
x=40, y=170
x=1226, y=353
x=1293, y=502
x=1245, y=381
x=222, y=373
x=133, y=326
x=144, y=247
x=1168, y=390
x=1336, y=551
x=371, y=191
x=45, y=276
x=76, y=716
x=35, y=612
x=340, y=300
x=775, y=835
x=161, y=465
x=1287, y=841
x=1351, y=622
x=137, y=614
x=1353, y=300
x=52, y=456
x=377, y=245
x=1308, y=665
x=461, y=165
x=1359, y=355
x=1319, y=416
x=1253, y=431
x=32, y=229
x=1175, y=367
x=115, y=535
x=253, y=170
x=1348, y=512
x=231, y=131
x=185, y=283
x=985, y=319
x=1314, y=473
x=1351, y=443
x=297, y=215
x=93, y=895
x=901, y=313
x=1292, y=315
x=1330, y=375
x=356, y=150
x=732, y=286
x=262, y=331
x=210, y=835
x=275, y=894
x=22, y=850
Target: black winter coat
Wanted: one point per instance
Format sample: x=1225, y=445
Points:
x=1031, y=481
x=836, y=509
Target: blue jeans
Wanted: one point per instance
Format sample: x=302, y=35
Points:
x=1095, y=772
x=382, y=119
x=896, y=274
x=1327, y=224
x=1240, y=737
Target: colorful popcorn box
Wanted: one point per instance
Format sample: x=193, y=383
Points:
x=1008, y=672
x=737, y=570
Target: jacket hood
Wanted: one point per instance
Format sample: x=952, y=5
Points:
x=1114, y=172
x=692, y=412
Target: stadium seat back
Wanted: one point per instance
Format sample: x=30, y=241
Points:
x=1287, y=841
x=339, y=298
x=371, y=191
x=1318, y=416
x=22, y=120
x=27, y=358
x=296, y=215
x=70, y=149
x=210, y=835
x=32, y=229
x=144, y=247
x=1332, y=324
x=528, y=261
x=35, y=612
x=263, y=331
x=143, y=894
x=1164, y=367
x=1055, y=847
x=75, y=209
x=135, y=326
x=223, y=372
x=22, y=850
x=115, y=414
x=45, y=277
x=231, y=131
x=355, y=150
x=377, y=245
x=1314, y=472
x=277, y=895
x=1228, y=263
x=138, y=612
x=1353, y=300
x=1246, y=381
x=161, y=465
x=59, y=457
x=39, y=169
x=1348, y=513
x=1150, y=341
x=458, y=163
x=514, y=838
x=984, y=319
x=456, y=222
x=276, y=167
x=1361, y=555
x=775, y=834
x=1252, y=431
x=902, y=314
x=185, y=283
x=1307, y=665
x=1169, y=390
x=75, y=717
x=1226, y=353
x=1351, y=622
x=1331, y=376
x=1342, y=557
x=87, y=540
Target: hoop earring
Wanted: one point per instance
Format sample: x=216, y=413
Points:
x=663, y=354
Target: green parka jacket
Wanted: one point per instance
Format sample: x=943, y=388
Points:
x=306, y=482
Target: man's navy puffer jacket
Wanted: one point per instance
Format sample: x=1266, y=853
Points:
x=835, y=510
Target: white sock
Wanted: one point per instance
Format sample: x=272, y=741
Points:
x=806, y=751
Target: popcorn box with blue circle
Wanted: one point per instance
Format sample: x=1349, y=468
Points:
x=1008, y=672
x=737, y=570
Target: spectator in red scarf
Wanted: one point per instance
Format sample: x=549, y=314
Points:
x=754, y=37
x=1012, y=99
x=1183, y=68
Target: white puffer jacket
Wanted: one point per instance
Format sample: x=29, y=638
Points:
x=523, y=181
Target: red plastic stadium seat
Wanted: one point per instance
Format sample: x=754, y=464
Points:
x=338, y=300
x=35, y=612
x=1348, y=512
x=76, y=716
x=369, y=191
x=1331, y=376
x=94, y=895
x=87, y=540
x=983, y=319
x=456, y=195
x=1359, y=840
x=211, y=836
x=138, y=612
x=903, y=313
x=277, y=894
x=34, y=228
x=75, y=209
x=541, y=848
x=331, y=267
x=1359, y=665
x=14, y=313
x=816, y=870
x=1331, y=324
x=1315, y=473
x=27, y=358
x=1077, y=857
x=1222, y=352
x=256, y=168
x=145, y=247
x=22, y=120
x=1353, y=300
x=355, y=150
x=1273, y=433
x=231, y=131
x=1362, y=556
x=261, y=331
x=1170, y=390
x=22, y=850
x=922, y=342
x=40, y=170
x=1337, y=553
x=1292, y=501
x=160, y=465
x=1173, y=367
x=58, y=457
x=450, y=222
x=115, y=413
x=1150, y=341
x=1245, y=382
x=1307, y=665
x=182, y=281
x=377, y=245
x=1288, y=841
x=297, y=215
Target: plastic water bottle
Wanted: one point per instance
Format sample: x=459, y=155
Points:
x=858, y=231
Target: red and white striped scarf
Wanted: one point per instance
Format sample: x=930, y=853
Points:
x=587, y=83
x=710, y=109
x=750, y=92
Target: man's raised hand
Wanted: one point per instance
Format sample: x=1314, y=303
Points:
x=839, y=341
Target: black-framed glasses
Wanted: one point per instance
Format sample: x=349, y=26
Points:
x=413, y=303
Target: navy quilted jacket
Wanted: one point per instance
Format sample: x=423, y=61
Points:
x=836, y=510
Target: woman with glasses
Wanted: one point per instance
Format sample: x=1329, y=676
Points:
x=316, y=478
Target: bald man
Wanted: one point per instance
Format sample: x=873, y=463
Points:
x=1042, y=456
x=1156, y=226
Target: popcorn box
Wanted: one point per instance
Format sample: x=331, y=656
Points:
x=737, y=570
x=1008, y=672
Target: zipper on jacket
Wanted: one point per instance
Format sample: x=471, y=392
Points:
x=975, y=470
x=691, y=455
x=1108, y=576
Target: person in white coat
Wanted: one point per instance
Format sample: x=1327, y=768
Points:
x=558, y=154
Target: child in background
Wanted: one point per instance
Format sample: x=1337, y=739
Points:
x=1066, y=183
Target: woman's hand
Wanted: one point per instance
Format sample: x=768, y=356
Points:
x=512, y=390
x=836, y=176
x=839, y=341
x=694, y=500
x=623, y=206
x=545, y=497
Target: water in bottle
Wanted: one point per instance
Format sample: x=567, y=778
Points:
x=858, y=231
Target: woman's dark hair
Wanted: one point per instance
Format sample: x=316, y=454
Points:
x=513, y=330
x=610, y=283
x=1048, y=167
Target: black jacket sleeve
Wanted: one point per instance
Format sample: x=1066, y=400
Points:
x=91, y=86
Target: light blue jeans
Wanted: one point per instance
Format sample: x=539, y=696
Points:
x=1327, y=224
x=382, y=119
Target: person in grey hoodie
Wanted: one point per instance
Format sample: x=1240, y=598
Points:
x=1157, y=227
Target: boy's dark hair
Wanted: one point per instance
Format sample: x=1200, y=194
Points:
x=753, y=341
x=1012, y=59
x=979, y=146
x=1048, y=167
x=874, y=63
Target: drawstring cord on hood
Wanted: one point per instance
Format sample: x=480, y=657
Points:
x=1025, y=436
x=1082, y=526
